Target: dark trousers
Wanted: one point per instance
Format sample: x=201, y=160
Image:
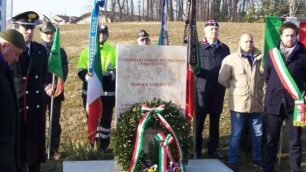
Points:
x=213, y=140
x=34, y=168
x=105, y=124
x=56, y=126
x=8, y=163
x=273, y=124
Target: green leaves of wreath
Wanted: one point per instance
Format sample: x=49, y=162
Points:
x=123, y=138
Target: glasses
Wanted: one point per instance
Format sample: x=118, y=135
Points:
x=26, y=26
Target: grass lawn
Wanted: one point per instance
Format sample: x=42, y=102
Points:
x=74, y=38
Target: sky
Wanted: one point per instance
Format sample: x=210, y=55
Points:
x=49, y=7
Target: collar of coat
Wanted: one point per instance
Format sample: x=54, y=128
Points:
x=256, y=53
x=206, y=44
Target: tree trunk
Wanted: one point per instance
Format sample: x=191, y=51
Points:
x=113, y=7
x=170, y=12
x=132, y=10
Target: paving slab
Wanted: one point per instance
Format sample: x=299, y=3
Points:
x=199, y=165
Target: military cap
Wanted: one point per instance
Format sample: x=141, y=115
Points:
x=103, y=29
x=14, y=37
x=26, y=18
x=212, y=22
x=46, y=25
x=142, y=34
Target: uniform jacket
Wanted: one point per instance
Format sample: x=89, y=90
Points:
x=209, y=93
x=276, y=93
x=64, y=67
x=245, y=83
x=8, y=119
x=108, y=60
x=30, y=75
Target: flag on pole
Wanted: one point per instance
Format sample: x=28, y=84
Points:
x=55, y=63
x=163, y=35
x=95, y=82
x=191, y=37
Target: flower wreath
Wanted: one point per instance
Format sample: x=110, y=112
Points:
x=124, y=136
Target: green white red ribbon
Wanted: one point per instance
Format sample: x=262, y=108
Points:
x=163, y=144
x=299, y=118
x=146, y=110
x=291, y=87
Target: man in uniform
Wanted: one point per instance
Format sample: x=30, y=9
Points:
x=143, y=38
x=209, y=93
x=30, y=77
x=12, y=45
x=108, y=60
x=47, y=31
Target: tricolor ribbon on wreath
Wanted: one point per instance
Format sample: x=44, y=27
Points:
x=299, y=115
x=147, y=114
x=163, y=150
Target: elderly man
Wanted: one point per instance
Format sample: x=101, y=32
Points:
x=30, y=76
x=240, y=74
x=279, y=101
x=209, y=93
x=47, y=31
x=143, y=38
x=108, y=59
x=12, y=45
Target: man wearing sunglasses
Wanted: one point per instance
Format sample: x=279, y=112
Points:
x=30, y=75
x=143, y=38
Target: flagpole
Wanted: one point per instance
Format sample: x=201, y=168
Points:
x=51, y=115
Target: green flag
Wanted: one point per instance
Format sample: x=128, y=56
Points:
x=272, y=35
x=55, y=60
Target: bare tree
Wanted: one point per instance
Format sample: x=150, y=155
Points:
x=170, y=12
x=132, y=10
x=293, y=6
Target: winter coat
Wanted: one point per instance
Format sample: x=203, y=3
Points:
x=276, y=93
x=209, y=93
x=245, y=83
x=30, y=75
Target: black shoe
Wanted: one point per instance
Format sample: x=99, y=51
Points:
x=233, y=166
x=258, y=164
x=216, y=155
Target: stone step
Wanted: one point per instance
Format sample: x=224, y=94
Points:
x=199, y=165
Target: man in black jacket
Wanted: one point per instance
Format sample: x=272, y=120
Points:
x=278, y=104
x=47, y=31
x=30, y=77
x=209, y=93
x=12, y=45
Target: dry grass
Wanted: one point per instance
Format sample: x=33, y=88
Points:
x=75, y=37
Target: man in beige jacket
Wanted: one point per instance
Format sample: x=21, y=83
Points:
x=240, y=74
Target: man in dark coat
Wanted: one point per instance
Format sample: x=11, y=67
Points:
x=30, y=75
x=47, y=30
x=279, y=104
x=209, y=93
x=12, y=45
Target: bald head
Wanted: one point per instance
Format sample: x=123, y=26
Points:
x=246, y=42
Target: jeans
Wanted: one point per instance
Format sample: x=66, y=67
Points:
x=238, y=120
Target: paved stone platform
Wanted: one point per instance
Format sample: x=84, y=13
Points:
x=199, y=165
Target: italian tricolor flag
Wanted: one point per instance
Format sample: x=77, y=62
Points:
x=272, y=39
x=95, y=81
